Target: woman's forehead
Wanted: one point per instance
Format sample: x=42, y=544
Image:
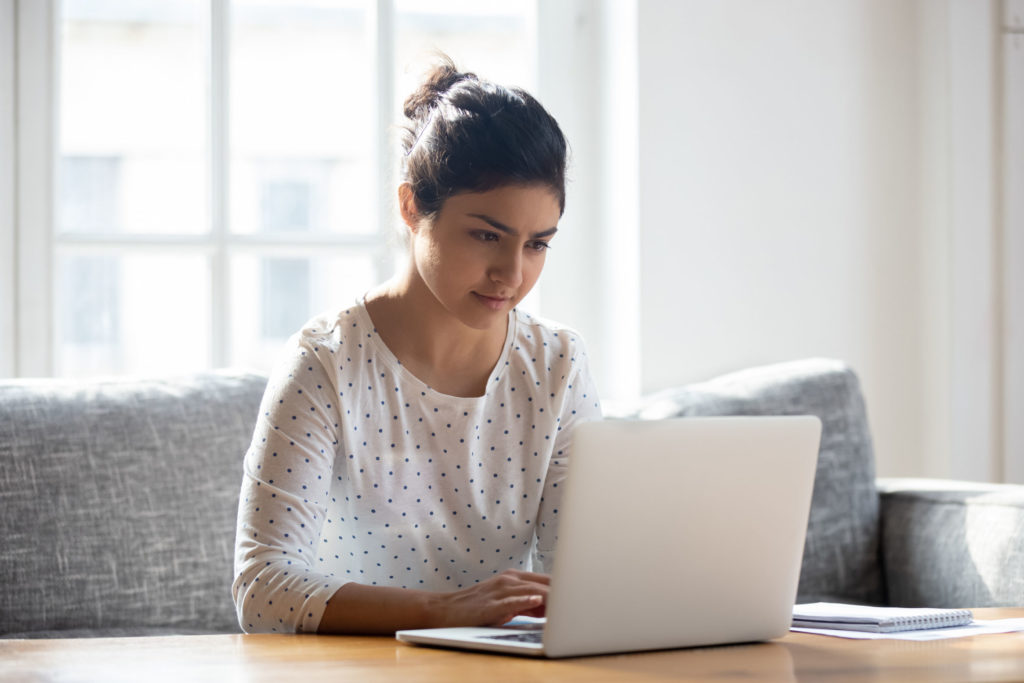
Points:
x=516, y=207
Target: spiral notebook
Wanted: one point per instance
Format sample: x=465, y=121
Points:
x=832, y=615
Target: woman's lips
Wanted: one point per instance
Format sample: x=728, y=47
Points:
x=495, y=303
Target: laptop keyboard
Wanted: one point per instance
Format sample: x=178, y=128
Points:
x=528, y=637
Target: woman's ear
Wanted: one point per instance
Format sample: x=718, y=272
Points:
x=407, y=206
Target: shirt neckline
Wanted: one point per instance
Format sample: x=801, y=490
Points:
x=396, y=365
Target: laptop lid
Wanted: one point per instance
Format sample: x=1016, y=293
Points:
x=681, y=532
x=673, y=533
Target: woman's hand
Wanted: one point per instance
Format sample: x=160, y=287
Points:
x=494, y=601
x=355, y=608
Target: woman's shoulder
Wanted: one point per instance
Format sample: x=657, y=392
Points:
x=546, y=336
x=327, y=334
x=333, y=327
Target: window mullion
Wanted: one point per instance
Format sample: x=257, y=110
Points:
x=219, y=150
x=8, y=263
x=36, y=135
x=386, y=173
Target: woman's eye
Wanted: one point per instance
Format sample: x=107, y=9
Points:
x=486, y=236
x=538, y=245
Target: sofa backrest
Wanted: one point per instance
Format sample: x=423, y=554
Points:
x=119, y=497
x=841, y=553
x=119, y=500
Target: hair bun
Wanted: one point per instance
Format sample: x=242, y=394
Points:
x=439, y=80
x=467, y=134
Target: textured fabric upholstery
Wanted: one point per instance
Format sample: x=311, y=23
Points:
x=122, y=632
x=841, y=551
x=119, y=500
x=953, y=544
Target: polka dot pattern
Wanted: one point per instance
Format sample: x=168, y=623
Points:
x=358, y=471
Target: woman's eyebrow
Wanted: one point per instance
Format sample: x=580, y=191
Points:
x=498, y=225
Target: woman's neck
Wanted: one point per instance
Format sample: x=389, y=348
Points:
x=429, y=341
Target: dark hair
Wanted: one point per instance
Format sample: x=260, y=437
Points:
x=466, y=134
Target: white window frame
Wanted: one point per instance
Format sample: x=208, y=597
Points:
x=8, y=209
x=1012, y=246
x=34, y=129
x=28, y=135
x=568, y=84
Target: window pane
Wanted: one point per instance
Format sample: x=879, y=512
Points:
x=488, y=37
x=273, y=296
x=133, y=111
x=302, y=117
x=282, y=283
x=132, y=313
x=93, y=321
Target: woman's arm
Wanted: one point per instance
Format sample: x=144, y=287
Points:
x=279, y=587
x=580, y=403
x=356, y=608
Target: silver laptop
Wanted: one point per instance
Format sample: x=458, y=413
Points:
x=673, y=533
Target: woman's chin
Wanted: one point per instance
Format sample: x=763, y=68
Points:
x=480, y=316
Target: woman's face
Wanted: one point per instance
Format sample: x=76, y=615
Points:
x=484, y=251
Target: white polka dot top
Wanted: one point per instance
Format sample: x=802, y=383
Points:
x=358, y=471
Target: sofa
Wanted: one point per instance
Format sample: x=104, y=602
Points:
x=119, y=498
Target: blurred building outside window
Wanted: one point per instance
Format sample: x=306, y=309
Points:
x=221, y=165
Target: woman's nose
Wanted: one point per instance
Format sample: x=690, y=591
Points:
x=507, y=269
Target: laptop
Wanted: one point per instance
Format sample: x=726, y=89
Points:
x=673, y=533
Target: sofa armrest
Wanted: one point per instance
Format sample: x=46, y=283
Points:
x=948, y=543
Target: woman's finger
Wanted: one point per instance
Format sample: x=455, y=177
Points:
x=530, y=576
x=516, y=606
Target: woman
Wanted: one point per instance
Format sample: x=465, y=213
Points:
x=406, y=466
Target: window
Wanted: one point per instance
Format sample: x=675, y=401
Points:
x=222, y=169
x=89, y=194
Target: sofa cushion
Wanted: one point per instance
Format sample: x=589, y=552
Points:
x=119, y=500
x=840, y=560
x=953, y=543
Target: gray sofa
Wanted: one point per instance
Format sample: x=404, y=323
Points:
x=119, y=497
x=119, y=500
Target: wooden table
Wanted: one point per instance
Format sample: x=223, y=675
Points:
x=308, y=658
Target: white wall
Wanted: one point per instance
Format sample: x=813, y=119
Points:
x=807, y=173
x=779, y=196
x=1013, y=238
x=934, y=93
x=587, y=79
x=975, y=368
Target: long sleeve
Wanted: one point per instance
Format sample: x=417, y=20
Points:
x=581, y=404
x=283, y=502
